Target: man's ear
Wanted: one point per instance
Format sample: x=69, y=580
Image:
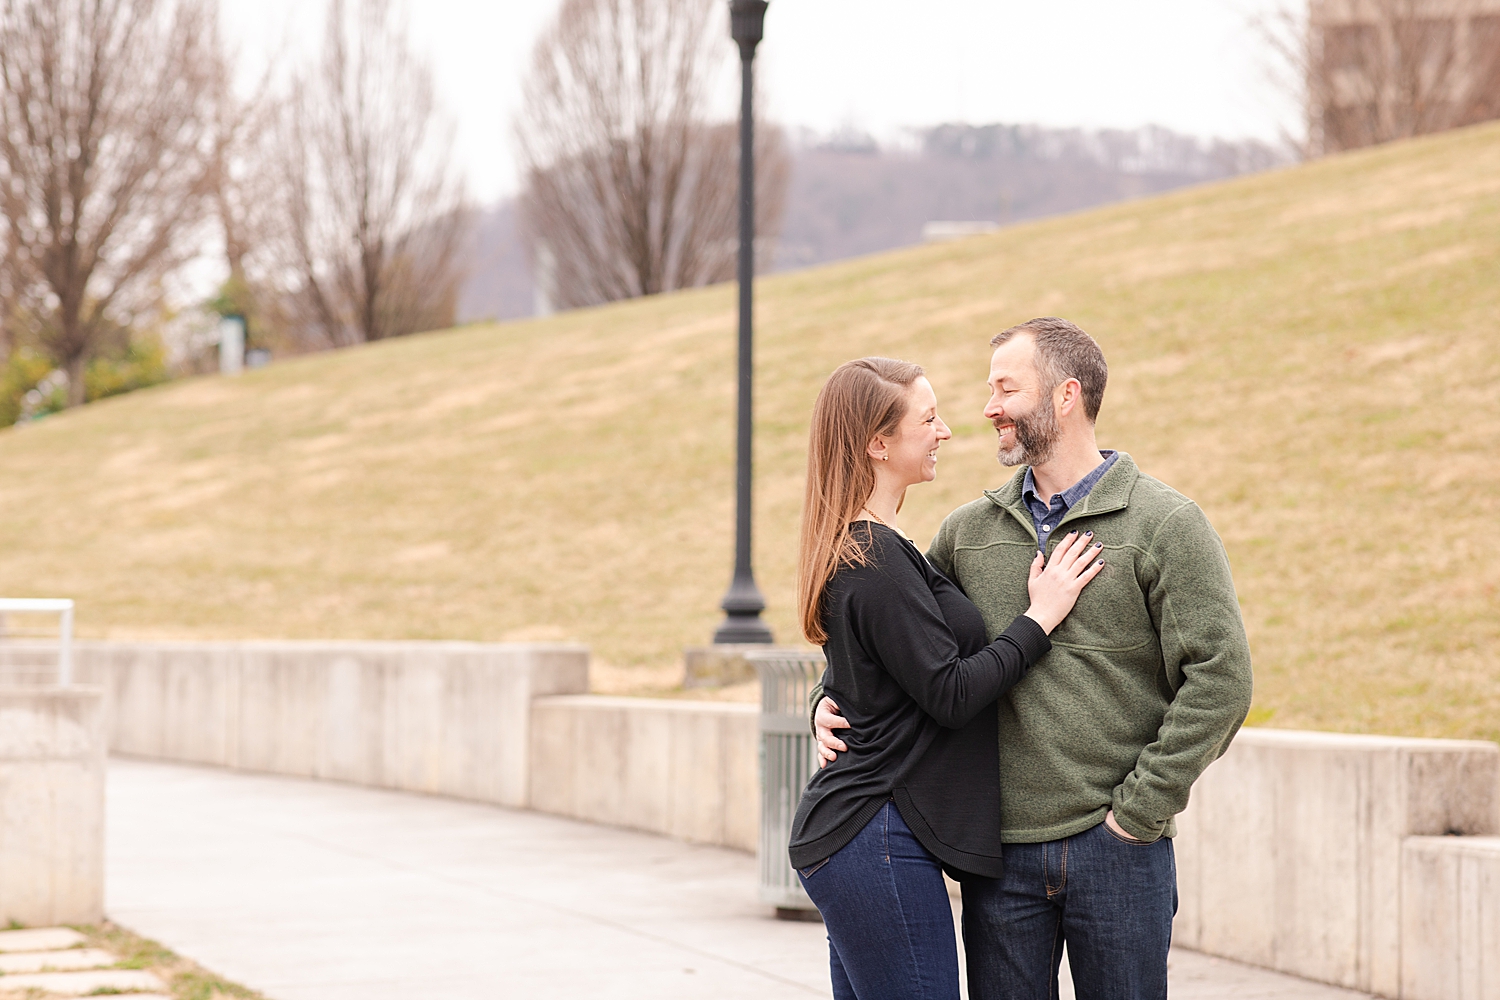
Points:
x=1068, y=396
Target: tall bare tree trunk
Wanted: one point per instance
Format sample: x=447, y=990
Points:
x=630, y=186
x=374, y=216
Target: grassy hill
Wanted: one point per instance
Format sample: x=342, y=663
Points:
x=1312, y=354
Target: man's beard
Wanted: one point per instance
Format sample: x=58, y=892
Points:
x=1036, y=437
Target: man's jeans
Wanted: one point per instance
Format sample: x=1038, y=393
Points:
x=1111, y=900
x=890, y=925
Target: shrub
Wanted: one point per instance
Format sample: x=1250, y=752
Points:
x=32, y=387
x=143, y=363
x=22, y=372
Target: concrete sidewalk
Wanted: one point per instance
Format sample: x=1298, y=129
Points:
x=315, y=891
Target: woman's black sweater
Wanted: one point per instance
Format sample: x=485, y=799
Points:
x=910, y=670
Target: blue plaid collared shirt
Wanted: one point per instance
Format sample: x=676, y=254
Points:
x=1045, y=515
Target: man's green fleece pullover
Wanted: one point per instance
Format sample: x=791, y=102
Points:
x=1148, y=678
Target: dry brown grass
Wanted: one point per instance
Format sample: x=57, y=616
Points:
x=185, y=979
x=1312, y=354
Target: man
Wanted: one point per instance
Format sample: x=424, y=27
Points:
x=1147, y=682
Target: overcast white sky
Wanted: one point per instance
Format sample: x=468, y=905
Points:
x=880, y=65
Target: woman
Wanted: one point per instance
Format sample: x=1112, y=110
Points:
x=911, y=668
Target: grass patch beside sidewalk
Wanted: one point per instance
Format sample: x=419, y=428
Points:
x=185, y=979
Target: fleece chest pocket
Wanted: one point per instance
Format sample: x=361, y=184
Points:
x=1111, y=613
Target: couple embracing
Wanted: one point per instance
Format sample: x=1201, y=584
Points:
x=1024, y=707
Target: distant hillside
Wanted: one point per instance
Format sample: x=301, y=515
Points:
x=848, y=196
x=1311, y=353
x=499, y=283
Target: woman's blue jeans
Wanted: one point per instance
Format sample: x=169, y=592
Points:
x=890, y=925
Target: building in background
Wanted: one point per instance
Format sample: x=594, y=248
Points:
x=1379, y=70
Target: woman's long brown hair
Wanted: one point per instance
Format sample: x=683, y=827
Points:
x=860, y=400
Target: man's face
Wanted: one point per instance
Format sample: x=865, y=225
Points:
x=1023, y=415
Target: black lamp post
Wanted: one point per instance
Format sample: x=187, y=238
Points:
x=743, y=602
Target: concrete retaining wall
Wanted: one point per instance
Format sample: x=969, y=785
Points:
x=1290, y=854
x=449, y=718
x=1366, y=862
x=51, y=805
x=1450, y=927
x=685, y=769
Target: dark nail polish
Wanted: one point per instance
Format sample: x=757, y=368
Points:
x=1100, y=562
x=1098, y=545
x=1089, y=534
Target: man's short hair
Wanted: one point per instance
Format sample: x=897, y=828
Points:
x=1063, y=351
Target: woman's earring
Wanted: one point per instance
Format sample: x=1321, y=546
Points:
x=885, y=458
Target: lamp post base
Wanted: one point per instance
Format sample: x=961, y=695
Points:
x=742, y=605
x=720, y=666
x=742, y=630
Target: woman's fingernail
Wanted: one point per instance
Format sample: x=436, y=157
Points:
x=1098, y=545
x=1089, y=534
x=1100, y=563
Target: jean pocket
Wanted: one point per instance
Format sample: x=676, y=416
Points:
x=812, y=870
x=1129, y=841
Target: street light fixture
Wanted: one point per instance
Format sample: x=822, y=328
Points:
x=743, y=602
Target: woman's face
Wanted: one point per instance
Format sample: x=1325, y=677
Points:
x=912, y=450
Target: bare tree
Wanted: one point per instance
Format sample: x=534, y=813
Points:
x=244, y=191
x=1482, y=97
x=373, y=214
x=105, y=146
x=1370, y=71
x=244, y=182
x=631, y=188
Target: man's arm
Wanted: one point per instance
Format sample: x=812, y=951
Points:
x=940, y=552
x=825, y=719
x=1207, y=658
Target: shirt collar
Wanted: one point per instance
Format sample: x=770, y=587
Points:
x=1078, y=490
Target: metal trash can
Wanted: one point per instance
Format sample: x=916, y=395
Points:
x=787, y=761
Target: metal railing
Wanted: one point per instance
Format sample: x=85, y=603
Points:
x=787, y=762
x=36, y=641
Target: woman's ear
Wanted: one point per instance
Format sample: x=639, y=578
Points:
x=877, y=449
